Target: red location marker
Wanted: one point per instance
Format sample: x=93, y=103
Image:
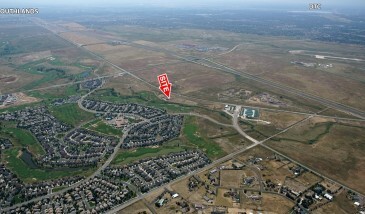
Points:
x=165, y=85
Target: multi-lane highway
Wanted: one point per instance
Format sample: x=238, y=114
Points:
x=210, y=63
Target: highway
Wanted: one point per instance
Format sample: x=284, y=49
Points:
x=218, y=161
x=218, y=66
x=224, y=68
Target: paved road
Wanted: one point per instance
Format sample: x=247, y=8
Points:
x=238, y=128
x=329, y=103
x=218, y=66
x=212, y=64
x=97, y=172
x=218, y=161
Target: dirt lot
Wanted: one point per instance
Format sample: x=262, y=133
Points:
x=339, y=154
x=232, y=178
x=276, y=203
x=21, y=99
x=7, y=79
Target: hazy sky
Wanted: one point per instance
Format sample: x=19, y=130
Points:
x=237, y=4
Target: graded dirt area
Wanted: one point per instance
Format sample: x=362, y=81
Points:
x=21, y=99
x=8, y=79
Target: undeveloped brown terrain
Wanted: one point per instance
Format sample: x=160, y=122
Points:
x=337, y=154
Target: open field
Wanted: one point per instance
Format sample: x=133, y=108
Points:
x=232, y=178
x=80, y=38
x=135, y=208
x=102, y=127
x=22, y=79
x=275, y=203
x=150, y=98
x=36, y=39
x=58, y=92
x=214, y=93
x=127, y=156
x=196, y=136
x=24, y=168
x=130, y=58
x=274, y=63
x=28, y=174
x=21, y=138
x=187, y=77
x=71, y=114
x=280, y=120
x=309, y=132
x=336, y=151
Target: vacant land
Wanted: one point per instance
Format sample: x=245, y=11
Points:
x=187, y=77
x=29, y=174
x=196, y=136
x=22, y=80
x=71, y=114
x=273, y=61
x=280, y=120
x=275, y=203
x=102, y=127
x=337, y=152
x=21, y=138
x=232, y=178
x=127, y=156
x=137, y=207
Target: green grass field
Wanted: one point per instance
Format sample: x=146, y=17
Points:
x=309, y=134
x=150, y=99
x=144, y=98
x=100, y=126
x=27, y=174
x=21, y=138
x=195, y=136
x=71, y=114
x=125, y=157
